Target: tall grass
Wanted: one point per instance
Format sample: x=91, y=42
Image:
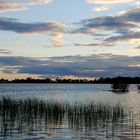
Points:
x=29, y=115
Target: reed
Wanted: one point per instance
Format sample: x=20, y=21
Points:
x=28, y=115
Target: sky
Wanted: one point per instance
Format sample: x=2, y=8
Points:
x=69, y=38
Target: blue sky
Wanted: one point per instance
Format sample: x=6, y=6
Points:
x=69, y=38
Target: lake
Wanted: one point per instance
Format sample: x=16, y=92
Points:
x=69, y=112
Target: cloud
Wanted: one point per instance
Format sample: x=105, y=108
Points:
x=138, y=47
x=8, y=24
x=132, y=15
x=41, y=2
x=58, y=39
x=129, y=38
x=91, y=66
x=6, y=6
x=104, y=23
x=18, y=61
x=102, y=26
x=4, y=51
x=108, y=1
x=90, y=44
x=11, y=6
x=102, y=5
x=8, y=71
x=86, y=44
x=121, y=27
x=112, y=29
x=99, y=9
x=105, y=65
x=135, y=65
x=54, y=29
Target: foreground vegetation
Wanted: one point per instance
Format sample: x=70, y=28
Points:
x=33, y=115
x=22, y=116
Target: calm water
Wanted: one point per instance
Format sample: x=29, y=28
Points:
x=69, y=112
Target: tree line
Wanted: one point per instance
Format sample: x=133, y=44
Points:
x=120, y=80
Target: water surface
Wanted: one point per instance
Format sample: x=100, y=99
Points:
x=69, y=111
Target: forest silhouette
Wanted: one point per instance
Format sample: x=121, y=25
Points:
x=115, y=80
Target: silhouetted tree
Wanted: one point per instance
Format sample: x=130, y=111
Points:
x=120, y=88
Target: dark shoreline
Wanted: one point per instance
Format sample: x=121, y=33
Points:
x=115, y=80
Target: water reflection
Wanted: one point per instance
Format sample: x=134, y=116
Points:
x=33, y=116
x=120, y=88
